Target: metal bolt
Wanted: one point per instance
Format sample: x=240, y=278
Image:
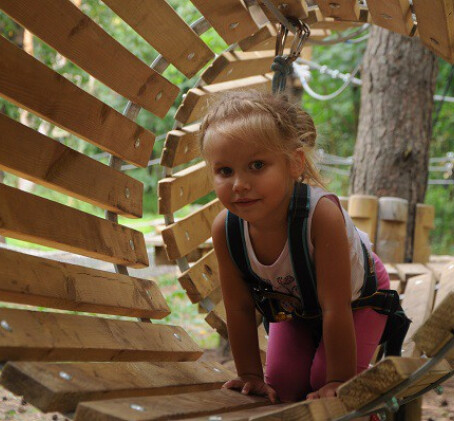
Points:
x=187, y=235
x=177, y=336
x=158, y=96
x=191, y=56
x=186, y=149
x=229, y=72
x=4, y=324
x=137, y=143
x=385, y=16
x=204, y=276
x=127, y=193
x=334, y=5
x=65, y=375
x=131, y=243
x=234, y=25
x=283, y=6
x=137, y=407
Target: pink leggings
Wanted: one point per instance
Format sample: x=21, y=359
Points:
x=295, y=367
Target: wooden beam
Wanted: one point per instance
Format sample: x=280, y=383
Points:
x=60, y=387
x=183, y=188
x=185, y=235
x=178, y=406
x=42, y=282
x=181, y=146
x=64, y=27
x=31, y=218
x=44, y=336
x=229, y=18
x=31, y=85
x=394, y=15
x=339, y=9
x=197, y=100
x=31, y=155
x=408, y=270
x=292, y=8
x=169, y=34
x=202, y=278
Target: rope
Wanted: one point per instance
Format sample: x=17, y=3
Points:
x=281, y=68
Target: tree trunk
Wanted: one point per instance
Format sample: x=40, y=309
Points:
x=395, y=124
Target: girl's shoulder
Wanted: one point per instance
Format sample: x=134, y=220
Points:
x=218, y=226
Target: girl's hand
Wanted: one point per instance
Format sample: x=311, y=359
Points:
x=327, y=391
x=254, y=385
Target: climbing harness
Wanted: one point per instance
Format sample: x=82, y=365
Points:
x=277, y=307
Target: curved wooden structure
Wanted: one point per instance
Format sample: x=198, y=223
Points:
x=99, y=366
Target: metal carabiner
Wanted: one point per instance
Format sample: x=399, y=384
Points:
x=301, y=36
x=281, y=40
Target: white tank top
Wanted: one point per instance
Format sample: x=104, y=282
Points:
x=280, y=274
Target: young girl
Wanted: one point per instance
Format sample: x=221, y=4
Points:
x=257, y=147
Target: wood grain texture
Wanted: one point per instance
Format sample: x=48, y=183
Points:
x=181, y=146
x=31, y=218
x=44, y=336
x=173, y=407
x=167, y=32
x=339, y=9
x=201, y=279
x=183, y=187
x=64, y=27
x=35, y=281
x=185, y=235
x=60, y=387
x=31, y=85
x=230, y=18
x=31, y=155
x=197, y=100
x=394, y=15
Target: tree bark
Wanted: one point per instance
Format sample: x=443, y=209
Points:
x=395, y=124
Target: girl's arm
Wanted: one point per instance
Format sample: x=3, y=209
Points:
x=241, y=322
x=332, y=262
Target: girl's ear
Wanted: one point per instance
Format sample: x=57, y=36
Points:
x=298, y=163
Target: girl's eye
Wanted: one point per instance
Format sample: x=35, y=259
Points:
x=225, y=171
x=257, y=165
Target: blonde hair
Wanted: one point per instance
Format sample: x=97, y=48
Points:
x=268, y=120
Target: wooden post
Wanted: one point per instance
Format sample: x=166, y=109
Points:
x=392, y=228
x=364, y=210
x=424, y=223
x=344, y=202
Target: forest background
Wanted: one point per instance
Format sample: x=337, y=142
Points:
x=336, y=119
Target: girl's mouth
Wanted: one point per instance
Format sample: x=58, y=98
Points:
x=246, y=202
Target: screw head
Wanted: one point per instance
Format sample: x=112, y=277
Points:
x=137, y=407
x=158, y=96
x=334, y=5
x=65, y=375
x=5, y=325
x=131, y=244
x=137, y=143
x=127, y=193
x=177, y=336
x=191, y=56
x=386, y=16
x=234, y=25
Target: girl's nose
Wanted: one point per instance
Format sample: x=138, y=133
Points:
x=241, y=184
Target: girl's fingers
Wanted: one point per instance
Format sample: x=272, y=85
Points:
x=233, y=384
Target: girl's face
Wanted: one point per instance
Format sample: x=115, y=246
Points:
x=251, y=182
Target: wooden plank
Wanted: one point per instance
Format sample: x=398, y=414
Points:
x=60, y=387
x=436, y=26
x=424, y=223
x=43, y=336
x=394, y=15
x=446, y=284
x=397, y=286
x=386, y=374
x=31, y=218
x=33, y=86
x=293, y=8
x=42, y=282
x=408, y=270
x=217, y=319
x=33, y=156
x=183, y=188
x=201, y=279
x=184, y=49
x=196, y=102
x=230, y=18
x=417, y=304
x=363, y=210
x=64, y=27
x=181, y=146
x=436, y=269
x=392, y=272
x=339, y=9
x=179, y=406
x=185, y=235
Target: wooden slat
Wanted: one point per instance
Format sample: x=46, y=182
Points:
x=397, y=286
x=161, y=26
x=230, y=18
x=339, y=9
x=185, y=235
x=64, y=27
x=446, y=284
x=31, y=218
x=181, y=146
x=417, y=304
x=60, y=387
x=42, y=282
x=394, y=15
x=201, y=279
x=407, y=270
x=42, y=336
x=196, y=102
x=386, y=374
x=183, y=187
x=438, y=329
x=392, y=272
x=173, y=407
x=293, y=8
x=436, y=26
x=436, y=269
x=31, y=85
x=33, y=156
x=424, y=223
x=363, y=210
